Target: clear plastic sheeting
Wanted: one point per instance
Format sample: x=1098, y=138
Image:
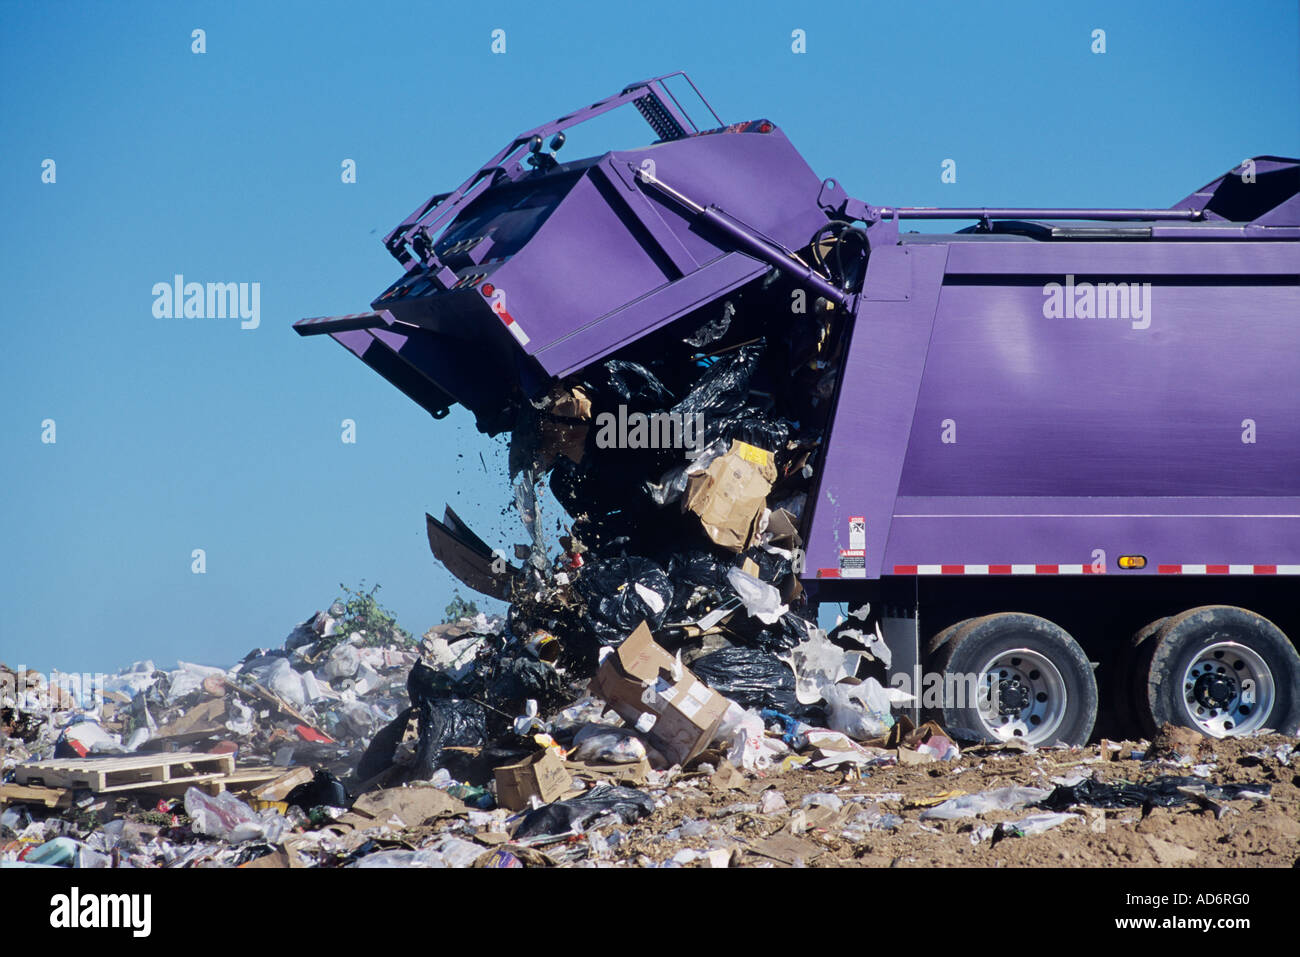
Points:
x=451, y=853
x=141, y=676
x=672, y=485
x=997, y=799
x=226, y=817
x=343, y=662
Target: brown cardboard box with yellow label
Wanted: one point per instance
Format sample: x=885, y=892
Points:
x=730, y=495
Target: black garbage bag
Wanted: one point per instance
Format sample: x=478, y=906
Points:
x=1161, y=792
x=251, y=852
x=723, y=389
x=699, y=584
x=379, y=754
x=302, y=635
x=617, y=380
x=628, y=804
x=722, y=396
x=696, y=566
x=772, y=568
x=323, y=790
x=446, y=723
x=751, y=677
x=786, y=632
x=609, y=587
x=424, y=683
x=604, y=482
x=516, y=677
x=752, y=426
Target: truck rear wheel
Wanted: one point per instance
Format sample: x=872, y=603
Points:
x=1030, y=679
x=1127, y=683
x=1223, y=670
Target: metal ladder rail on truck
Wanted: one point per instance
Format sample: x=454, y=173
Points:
x=1063, y=446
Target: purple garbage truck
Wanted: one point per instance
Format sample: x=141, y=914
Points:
x=1063, y=445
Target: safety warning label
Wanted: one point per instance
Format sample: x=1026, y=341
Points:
x=853, y=563
x=857, y=532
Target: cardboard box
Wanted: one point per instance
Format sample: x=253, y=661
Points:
x=784, y=529
x=278, y=788
x=542, y=775
x=678, y=714
x=730, y=495
x=563, y=428
x=634, y=773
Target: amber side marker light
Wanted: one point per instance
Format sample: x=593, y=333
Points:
x=1132, y=561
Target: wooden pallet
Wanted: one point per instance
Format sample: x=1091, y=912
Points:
x=22, y=794
x=131, y=773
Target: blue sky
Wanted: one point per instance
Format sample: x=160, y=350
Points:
x=176, y=434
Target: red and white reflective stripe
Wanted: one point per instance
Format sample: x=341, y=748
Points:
x=995, y=570
x=1228, y=569
x=516, y=330
x=1087, y=570
x=1075, y=570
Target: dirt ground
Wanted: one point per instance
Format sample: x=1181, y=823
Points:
x=703, y=812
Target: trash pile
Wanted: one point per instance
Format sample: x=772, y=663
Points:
x=316, y=699
x=475, y=748
x=664, y=652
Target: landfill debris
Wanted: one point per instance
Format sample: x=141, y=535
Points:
x=1168, y=791
x=541, y=777
x=323, y=790
x=576, y=733
x=406, y=806
x=1025, y=827
x=602, y=744
x=226, y=817
x=857, y=707
x=751, y=677
x=564, y=817
x=728, y=497
x=657, y=695
x=996, y=799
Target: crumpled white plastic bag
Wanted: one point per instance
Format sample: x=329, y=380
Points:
x=230, y=819
x=818, y=662
x=748, y=744
x=760, y=599
x=602, y=744
x=860, y=710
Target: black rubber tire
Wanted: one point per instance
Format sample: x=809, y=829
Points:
x=1183, y=636
x=942, y=638
x=1128, y=688
x=974, y=642
x=931, y=663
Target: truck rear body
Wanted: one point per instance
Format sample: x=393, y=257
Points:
x=1046, y=398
